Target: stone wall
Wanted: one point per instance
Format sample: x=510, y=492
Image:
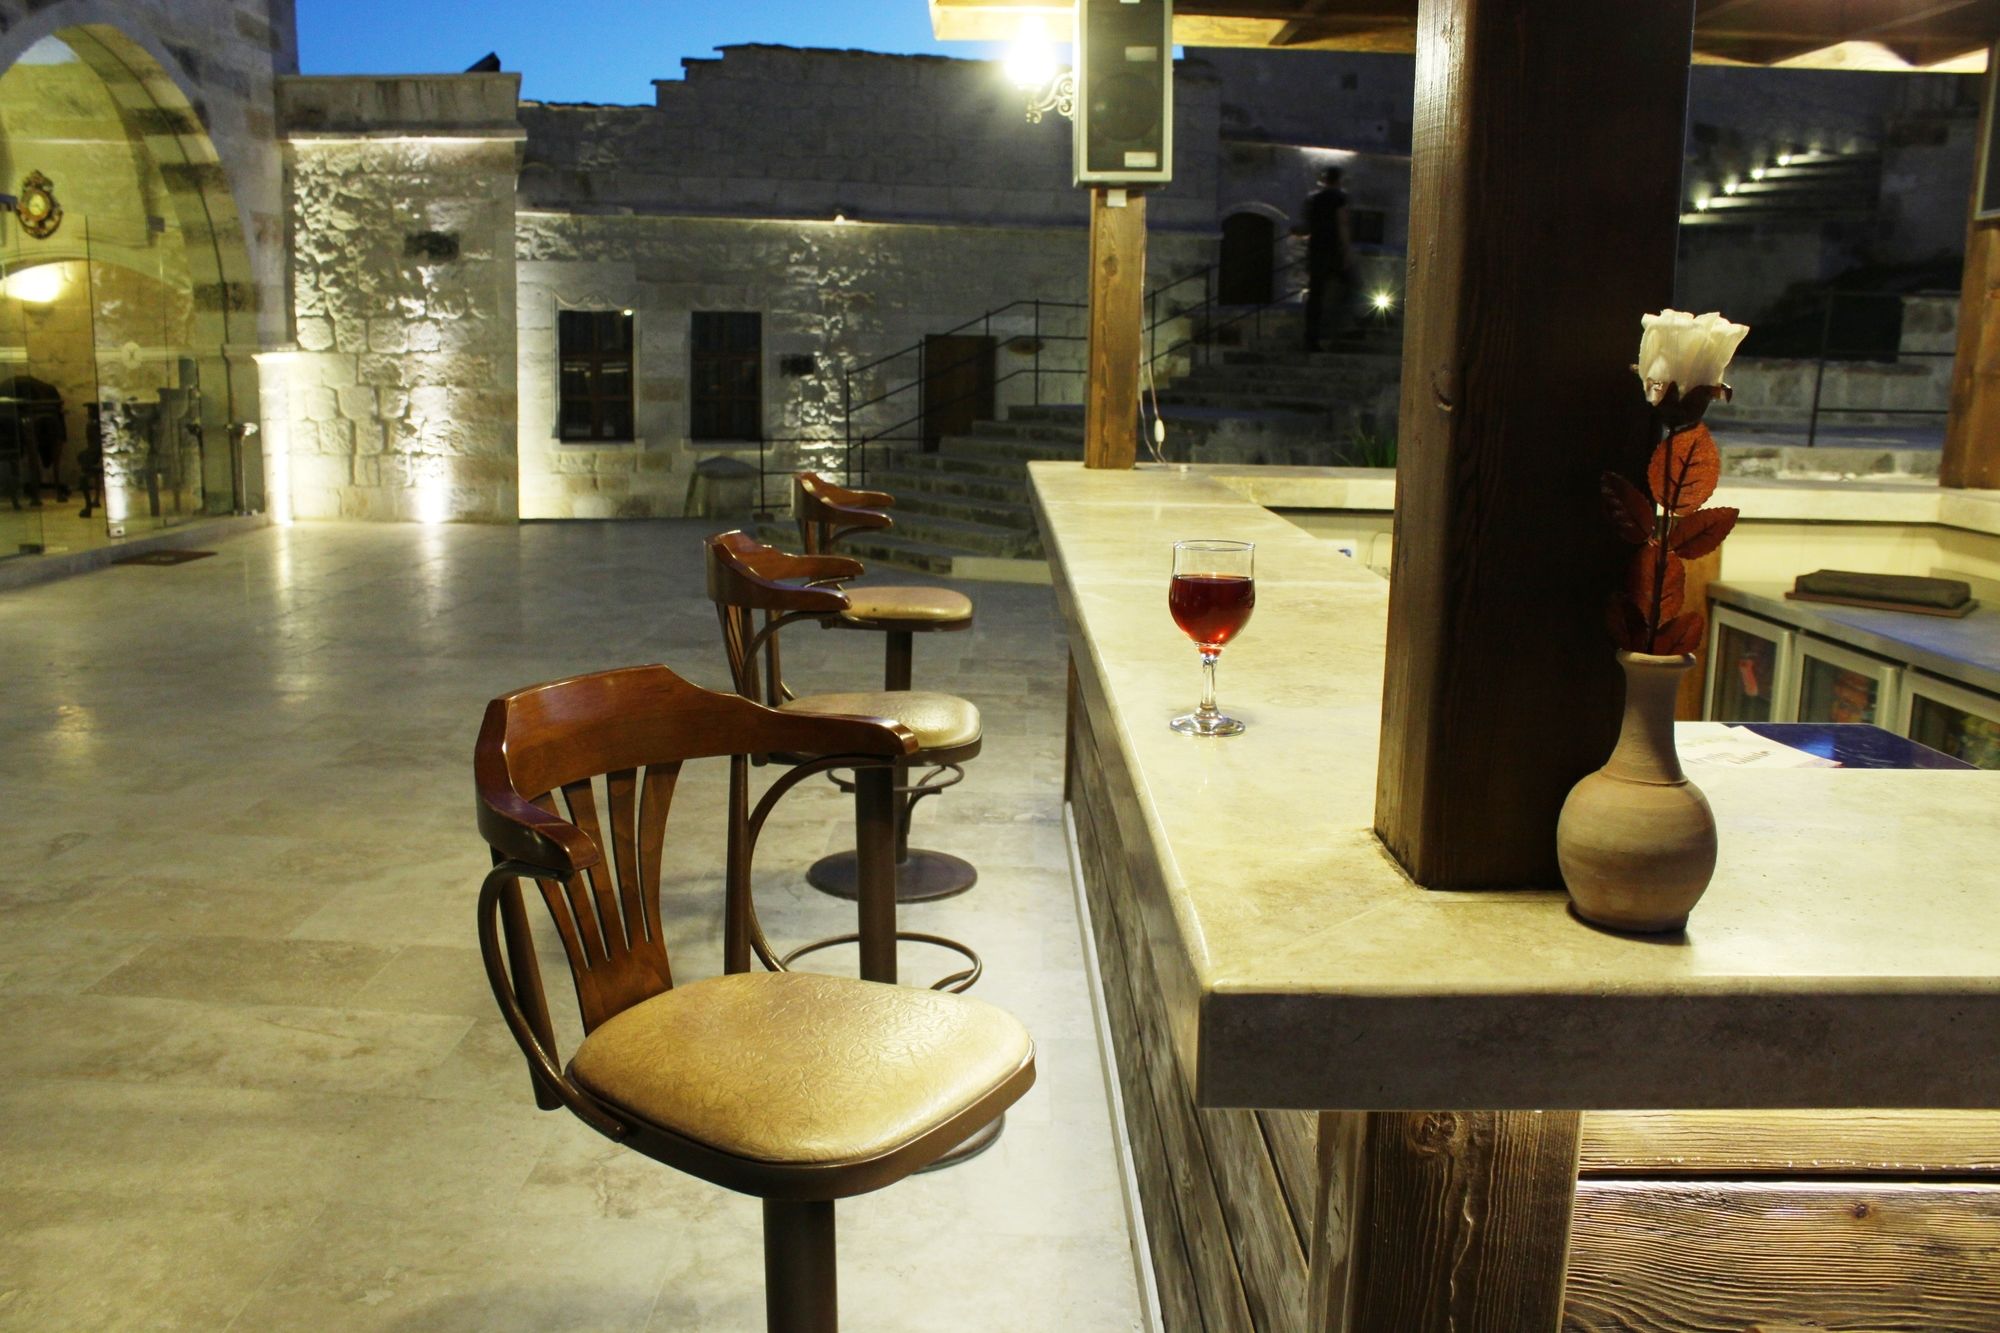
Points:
x=769, y=131
x=840, y=294
x=402, y=393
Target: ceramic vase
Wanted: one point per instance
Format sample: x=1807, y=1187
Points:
x=1636, y=840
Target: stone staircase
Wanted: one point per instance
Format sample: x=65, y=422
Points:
x=1263, y=401
x=1809, y=187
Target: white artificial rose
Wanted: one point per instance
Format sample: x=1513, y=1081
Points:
x=1685, y=350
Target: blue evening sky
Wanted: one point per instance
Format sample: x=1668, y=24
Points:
x=594, y=50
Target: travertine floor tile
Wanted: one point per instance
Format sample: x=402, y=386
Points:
x=258, y=1079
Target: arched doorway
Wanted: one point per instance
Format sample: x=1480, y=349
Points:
x=1249, y=242
x=127, y=307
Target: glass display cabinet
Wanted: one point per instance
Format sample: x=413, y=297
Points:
x=1750, y=675
x=1840, y=685
x=1952, y=719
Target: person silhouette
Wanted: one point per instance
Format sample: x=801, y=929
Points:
x=1329, y=257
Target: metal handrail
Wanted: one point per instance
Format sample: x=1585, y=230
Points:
x=854, y=461
x=1829, y=352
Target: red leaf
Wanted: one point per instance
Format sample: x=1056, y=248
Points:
x=1702, y=531
x=1682, y=634
x=1685, y=470
x=1632, y=514
x=1627, y=626
x=1649, y=579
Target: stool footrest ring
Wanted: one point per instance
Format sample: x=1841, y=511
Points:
x=956, y=982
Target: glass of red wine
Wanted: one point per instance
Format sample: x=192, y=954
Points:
x=1212, y=595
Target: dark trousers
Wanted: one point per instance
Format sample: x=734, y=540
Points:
x=1327, y=276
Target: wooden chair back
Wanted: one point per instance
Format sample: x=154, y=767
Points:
x=746, y=577
x=543, y=756
x=827, y=512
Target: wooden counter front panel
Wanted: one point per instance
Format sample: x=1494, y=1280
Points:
x=1226, y=1212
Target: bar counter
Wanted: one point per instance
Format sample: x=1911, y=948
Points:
x=1259, y=950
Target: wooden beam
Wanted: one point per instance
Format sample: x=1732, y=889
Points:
x=1972, y=431
x=1443, y=1222
x=1529, y=270
x=1117, y=327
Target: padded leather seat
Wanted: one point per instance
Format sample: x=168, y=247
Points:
x=793, y=1067
x=929, y=606
x=940, y=721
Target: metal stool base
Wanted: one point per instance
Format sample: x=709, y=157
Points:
x=987, y=1136
x=925, y=877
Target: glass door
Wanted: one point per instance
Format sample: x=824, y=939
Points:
x=1952, y=719
x=149, y=391
x=21, y=525
x=1749, y=668
x=1839, y=685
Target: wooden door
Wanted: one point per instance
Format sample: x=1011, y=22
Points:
x=958, y=385
x=1247, y=243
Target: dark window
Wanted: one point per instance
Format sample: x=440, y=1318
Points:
x=726, y=400
x=1349, y=82
x=1367, y=226
x=596, y=388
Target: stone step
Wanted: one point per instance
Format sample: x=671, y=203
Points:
x=1044, y=412
x=971, y=538
x=1008, y=446
x=1256, y=402
x=900, y=550
x=921, y=500
x=1304, y=384
x=899, y=480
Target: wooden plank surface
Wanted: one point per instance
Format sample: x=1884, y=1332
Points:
x=1180, y=1308
x=1663, y=1257
x=1792, y=1143
x=1268, y=1254
x=1529, y=270
x=1116, y=329
x=1455, y=1222
x=1972, y=431
x=1293, y=1137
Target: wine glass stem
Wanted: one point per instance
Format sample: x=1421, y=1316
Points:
x=1208, y=656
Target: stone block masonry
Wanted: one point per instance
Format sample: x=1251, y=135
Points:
x=402, y=394
x=841, y=294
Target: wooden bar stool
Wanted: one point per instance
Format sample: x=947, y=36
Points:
x=745, y=577
x=796, y=1088
x=826, y=513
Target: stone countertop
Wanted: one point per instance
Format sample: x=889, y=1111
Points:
x=1847, y=953
x=1767, y=499
x=1966, y=650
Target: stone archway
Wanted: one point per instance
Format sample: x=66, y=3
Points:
x=167, y=230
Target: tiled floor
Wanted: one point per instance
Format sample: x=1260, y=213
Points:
x=254, y=1076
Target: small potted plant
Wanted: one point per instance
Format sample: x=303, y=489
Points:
x=1636, y=840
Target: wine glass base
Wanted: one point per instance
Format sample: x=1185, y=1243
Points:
x=1216, y=724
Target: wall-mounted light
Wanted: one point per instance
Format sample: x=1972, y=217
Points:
x=1033, y=68
x=39, y=285
x=1383, y=301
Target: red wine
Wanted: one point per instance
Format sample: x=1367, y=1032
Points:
x=1211, y=608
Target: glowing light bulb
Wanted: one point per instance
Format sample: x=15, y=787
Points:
x=1784, y=159
x=1731, y=186
x=1382, y=300
x=38, y=285
x=1031, y=60
x=1756, y=173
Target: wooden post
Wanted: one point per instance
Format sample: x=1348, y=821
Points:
x=1443, y=1222
x=1545, y=202
x=1117, y=327
x=1972, y=431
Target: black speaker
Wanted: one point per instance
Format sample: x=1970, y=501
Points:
x=1124, y=91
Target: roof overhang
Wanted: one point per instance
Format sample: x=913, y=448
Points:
x=1941, y=36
